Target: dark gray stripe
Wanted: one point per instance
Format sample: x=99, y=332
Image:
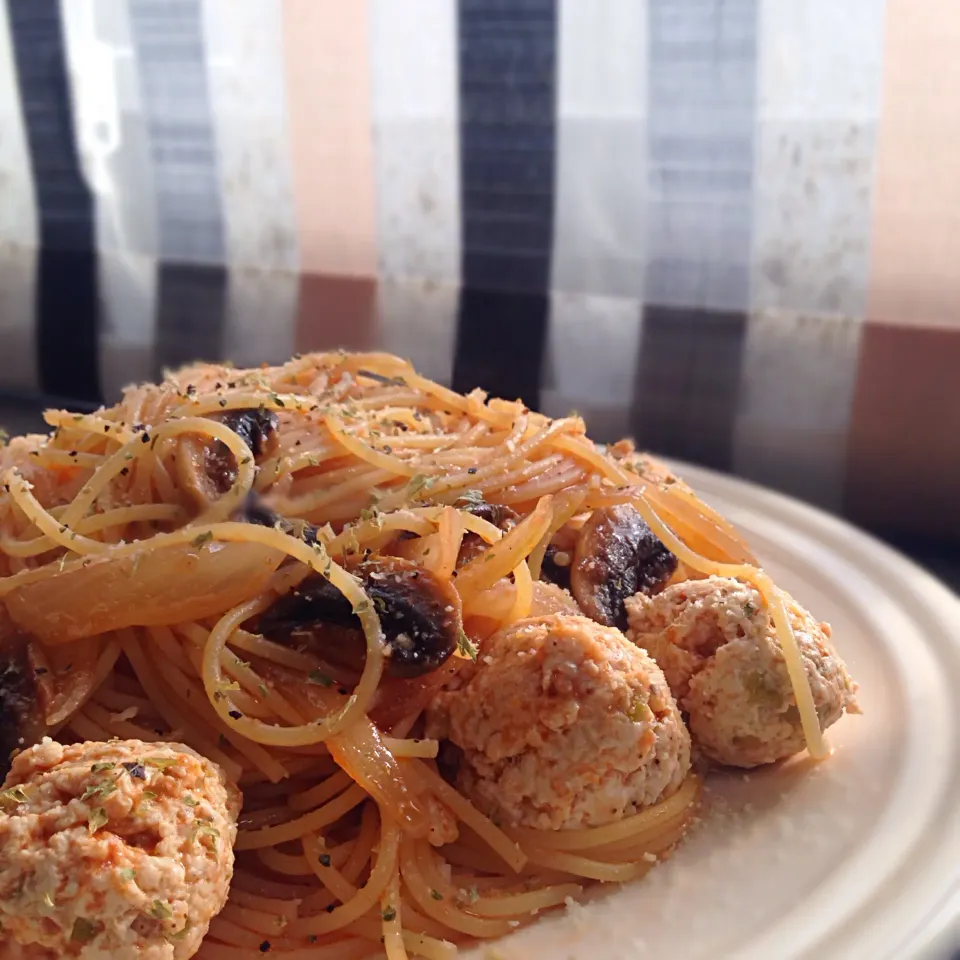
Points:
x=191, y=304
x=702, y=90
x=688, y=384
x=192, y=281
x=507, y=71
x=66, y=301
x=168, y=38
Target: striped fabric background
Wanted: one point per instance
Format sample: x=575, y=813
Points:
x=729, y=227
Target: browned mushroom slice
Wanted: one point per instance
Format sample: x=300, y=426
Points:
x=555, y=567
x=207, y=470
x=21, y=709
x=498, y=514
x=254, y=510
x=420, y=615
x=256, y=427
x=617, y=555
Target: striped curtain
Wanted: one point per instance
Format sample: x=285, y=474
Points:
x=728, y=227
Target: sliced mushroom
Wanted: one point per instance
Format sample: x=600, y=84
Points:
x=420, y=615
x=254, y=510
x=256, y=427
x=498, y=514
x=617, y=555
x=555, y=567
x=21, y=710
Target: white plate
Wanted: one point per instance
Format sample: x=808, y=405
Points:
x=855, y=858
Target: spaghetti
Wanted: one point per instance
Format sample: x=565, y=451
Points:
x=335, y=856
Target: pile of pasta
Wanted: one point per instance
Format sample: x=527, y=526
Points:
x=140, y=585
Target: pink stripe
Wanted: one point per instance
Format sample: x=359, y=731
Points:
x=916, y=230
x=327, y=61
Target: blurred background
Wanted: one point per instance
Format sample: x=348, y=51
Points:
x=730, y=228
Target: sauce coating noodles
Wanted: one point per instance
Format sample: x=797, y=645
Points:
x=335, y=853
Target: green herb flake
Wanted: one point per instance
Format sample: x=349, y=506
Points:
x=209, y=833
x=101, y=789
x=470, y=498
x=417, y=484
x=324, y=859
x=190, y=801
x=179, y=934
x=263, y=689
x=466, y=646
x=389, y=914
x=763, y=689
x=201, y=539
x=101, y=766
x=436, y=894
x=13, y=796
x=320, y=678
x=83, y=931
x=96, y=819
x=128, y=873
x=639, y=711
x=160, y=910
x=749, y=609
x=161, y=763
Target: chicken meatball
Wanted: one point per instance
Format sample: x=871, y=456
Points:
x=564, y=724
x=121, y=850
x=717, y=645
x=548, y=599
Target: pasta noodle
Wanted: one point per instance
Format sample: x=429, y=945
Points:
x=335, y=853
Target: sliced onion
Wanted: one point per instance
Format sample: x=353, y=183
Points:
x=151, y=588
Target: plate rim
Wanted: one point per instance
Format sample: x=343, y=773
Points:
x=936, y=933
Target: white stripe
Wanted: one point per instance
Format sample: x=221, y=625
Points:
x=591, y=361
x=818, y=102
x=244, y=43
x=819, y=85
x=18, y=233
x=18, y=211
x=599, y=233
x=18, y=351
x=418, y=320
x=415, y=118
x=115, y=154
x=168, y=40
x=261, y=316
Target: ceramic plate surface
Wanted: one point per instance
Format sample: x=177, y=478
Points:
x=855, y=858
